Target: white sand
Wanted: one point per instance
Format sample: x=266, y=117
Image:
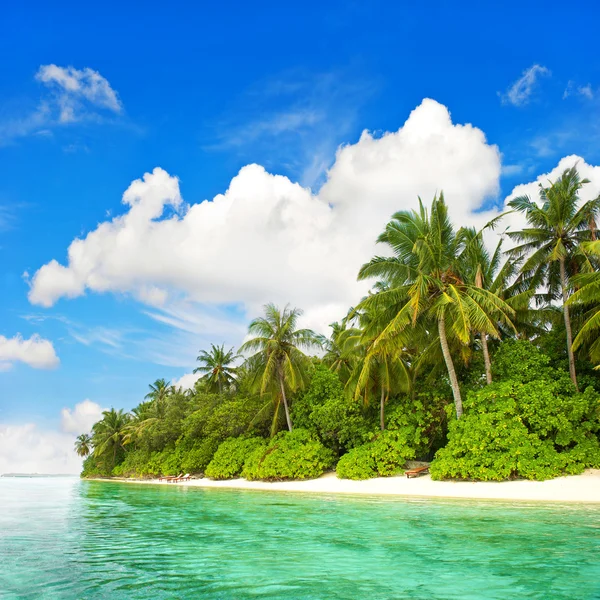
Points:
x=575, y=488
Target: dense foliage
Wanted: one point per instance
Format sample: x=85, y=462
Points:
x=383, y=456
x=531, y=423
x=231, y=456
x=290, y=455
x=482, y=362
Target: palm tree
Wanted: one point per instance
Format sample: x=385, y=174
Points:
x=381, y=372
x=588, y=294
x=341, y=350
x=488, y=272
x=159, y=390
x=215, y=366
x=552, y=242
x=83, y=444
x=108, y=433
x=425, y=283
x=277, y=357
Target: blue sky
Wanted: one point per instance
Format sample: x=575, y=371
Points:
x=92, y=98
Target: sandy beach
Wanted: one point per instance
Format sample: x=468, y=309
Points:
x=574, y=488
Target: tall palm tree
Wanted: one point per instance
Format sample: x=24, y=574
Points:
x=108, y=433
x=278, y=357
x=216, y=367
x=426, y=283
x=552, y=243
x=83, y=444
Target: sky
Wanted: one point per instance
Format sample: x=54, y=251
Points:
x=166, y=172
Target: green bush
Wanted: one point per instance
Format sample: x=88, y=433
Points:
x=324, y=409
x=289, y=455
x=422, y=421
x=385, y=455
x=533, y=425
x=231, y=455
x=94, y=468
x=197, y=458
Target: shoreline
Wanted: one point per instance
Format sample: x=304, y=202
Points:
x=584, y=488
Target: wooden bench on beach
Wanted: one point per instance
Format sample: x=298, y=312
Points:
x=417, y=472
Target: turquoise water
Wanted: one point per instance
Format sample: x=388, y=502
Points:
x=71, y=539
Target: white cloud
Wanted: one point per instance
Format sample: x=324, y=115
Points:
x=578, y=90
x=76, y=88
x=28, y=449
x=35, y=352
x=71, y=95
x=519, y=93
x=269, y=239
x=586, y=171
x=186, y=381
x=81, y=417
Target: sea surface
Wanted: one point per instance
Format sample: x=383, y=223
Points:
x=71, y=539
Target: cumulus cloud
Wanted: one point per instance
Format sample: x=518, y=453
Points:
x=75, y=88
x=519, y=93
x=81, y=417
x=531, y=189
x=187, y=381
x=269, y=239
x=29, y=448
x=26, y=448
x=35, y=352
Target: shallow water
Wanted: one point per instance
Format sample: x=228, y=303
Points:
x=71, y=539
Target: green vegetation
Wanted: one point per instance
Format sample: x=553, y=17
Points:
x=483, y=364
x=290, y=455
x=231, y=456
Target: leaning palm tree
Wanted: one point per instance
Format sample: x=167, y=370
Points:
x=587, y=294
x=277, y=356
x=379, y=372
x=108, y=433
x=425, y=285
x=495, y=273
x=215, y=365
x=558, y=225
x=159, y=390
x=341, y=350
x=83, y=444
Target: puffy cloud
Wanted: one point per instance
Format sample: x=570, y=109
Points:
x=519, y=93
x=26, y=448
x=29, y=448
x=81, y=418
x=586, y=171
x=35, y=352
x=76, y=87
x=187, y=381
x=269, y=239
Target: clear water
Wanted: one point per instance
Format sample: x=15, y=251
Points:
x=71, y=539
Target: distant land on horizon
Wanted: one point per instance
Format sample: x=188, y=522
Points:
x=37, y=475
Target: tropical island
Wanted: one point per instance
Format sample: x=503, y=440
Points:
x=479, y=364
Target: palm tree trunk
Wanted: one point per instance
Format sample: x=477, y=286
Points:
x=382, y=410
x=450, y=367
x=285, y=404
x=486, y=358
x=563, y=284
